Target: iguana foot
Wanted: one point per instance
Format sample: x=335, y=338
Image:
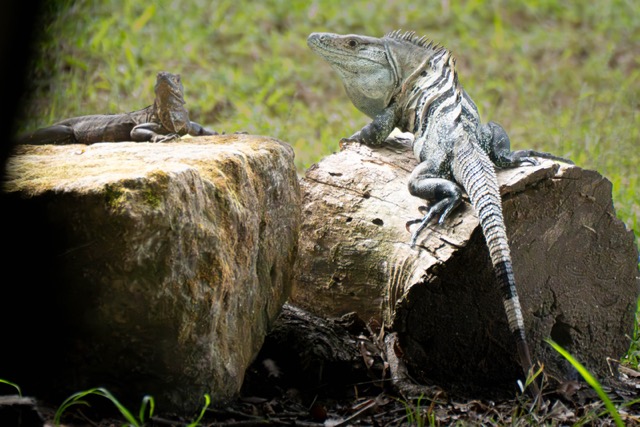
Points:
x=351, y=139
x=423, y=210
x=363, y=137
x=524, y=157
x=165, y=138
x=442, y=208
x=523, y=160
x=412, y=222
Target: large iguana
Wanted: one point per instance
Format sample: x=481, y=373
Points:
x=165, y=120
x=405, y=82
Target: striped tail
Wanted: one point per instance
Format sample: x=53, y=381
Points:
x=474, y=170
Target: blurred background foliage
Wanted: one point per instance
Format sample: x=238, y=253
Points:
x=559, y=76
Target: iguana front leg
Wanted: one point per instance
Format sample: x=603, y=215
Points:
x=376, y=132
x=498, y=146
x=152, y=132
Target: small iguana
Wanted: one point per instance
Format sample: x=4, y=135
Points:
x=165, y=120
x=405, y=82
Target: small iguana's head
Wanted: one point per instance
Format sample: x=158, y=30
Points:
x=168, y=84
x=363, y=65
x=169, y=102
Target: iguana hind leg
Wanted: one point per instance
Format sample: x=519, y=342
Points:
x=444, y=196
x=152, y=132
x=519, y=157
x=196, y=129
x=497, y=144
x=55, y=134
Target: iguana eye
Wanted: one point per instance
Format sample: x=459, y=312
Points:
x=352, y=43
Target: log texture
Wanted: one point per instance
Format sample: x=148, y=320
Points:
x=145, y=268
x=575, y=265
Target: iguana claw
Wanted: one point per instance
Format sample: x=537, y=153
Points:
x=165, y=138
x=410, y=223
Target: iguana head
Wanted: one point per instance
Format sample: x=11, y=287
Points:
x=169, y=86
x=169, y=103
x=372, y=69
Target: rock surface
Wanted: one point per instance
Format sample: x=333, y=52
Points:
x=146, y=268
x=575, y=265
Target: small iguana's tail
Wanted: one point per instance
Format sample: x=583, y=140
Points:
x=474, y=170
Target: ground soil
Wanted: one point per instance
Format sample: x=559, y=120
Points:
x=277, y=392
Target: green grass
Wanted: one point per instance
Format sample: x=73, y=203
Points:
x=144, y=413
x=590, y=379
x=146, y=408
x=15, y=386
x=562, y=77
x=416, y=415
x=632, y=358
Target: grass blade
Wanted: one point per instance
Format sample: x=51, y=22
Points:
x=77, y=399
x=207, y=402
x=16, y=386
x=590, y=379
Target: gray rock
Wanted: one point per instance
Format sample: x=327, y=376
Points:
x=152, y=268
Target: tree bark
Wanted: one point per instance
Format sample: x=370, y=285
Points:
x=308, y=352
x=575, y=265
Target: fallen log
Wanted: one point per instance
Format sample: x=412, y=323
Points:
x=313, y=354
x=575, y=265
